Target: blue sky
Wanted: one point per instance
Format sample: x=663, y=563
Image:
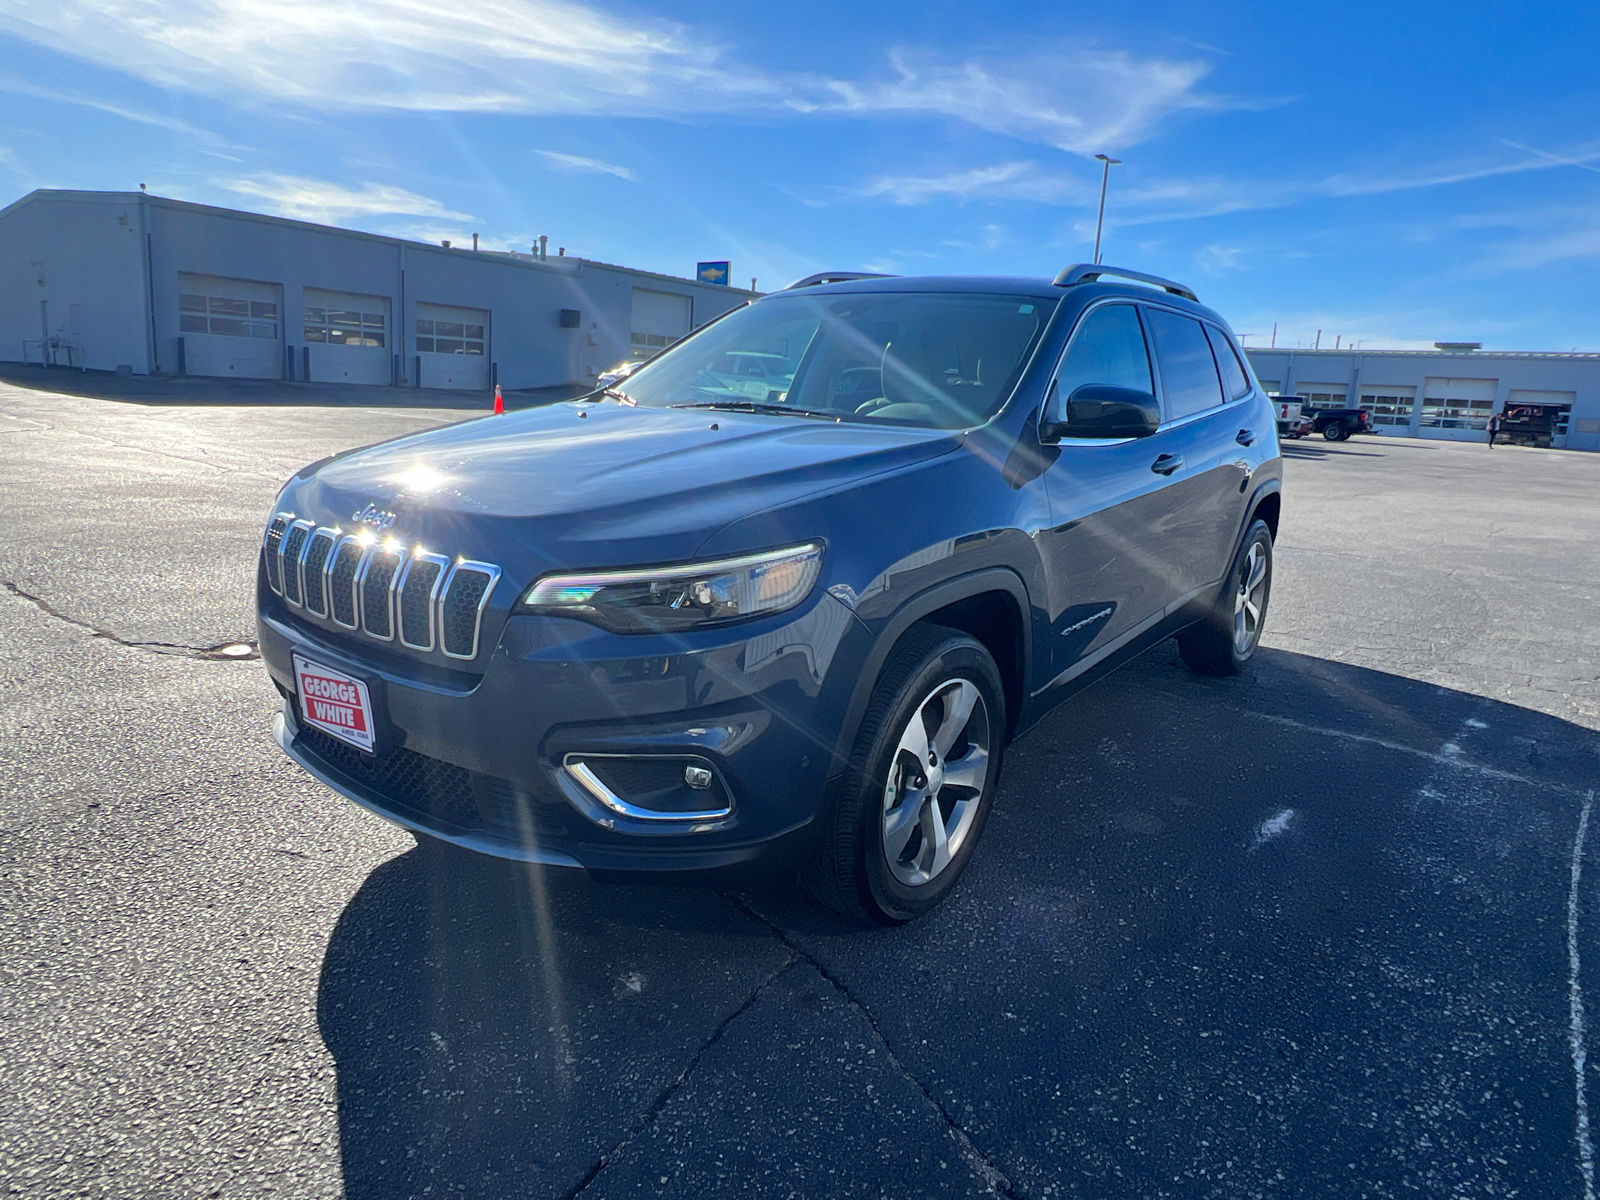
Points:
x=1389, y=173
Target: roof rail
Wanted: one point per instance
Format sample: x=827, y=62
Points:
x=1089, y=272
x=834, y=277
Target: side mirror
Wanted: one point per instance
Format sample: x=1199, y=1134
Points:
x=1099, y=411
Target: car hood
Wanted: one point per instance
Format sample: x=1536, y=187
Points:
x=607, y=473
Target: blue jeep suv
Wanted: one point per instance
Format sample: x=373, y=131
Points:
x=780, y=598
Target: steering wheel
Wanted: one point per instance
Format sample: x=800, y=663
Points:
x=873, y=405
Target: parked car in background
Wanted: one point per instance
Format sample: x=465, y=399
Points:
x=1292, y=423
x=1337, y=424
x=674, y=628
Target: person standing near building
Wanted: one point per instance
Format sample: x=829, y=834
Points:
x=1494, y=428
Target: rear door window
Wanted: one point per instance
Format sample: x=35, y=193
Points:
x=1187, y=366
x=1235, y=382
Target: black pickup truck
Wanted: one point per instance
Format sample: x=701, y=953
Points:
x=1297, y=419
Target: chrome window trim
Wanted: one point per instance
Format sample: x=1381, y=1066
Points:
x=271, y=553
x=284, y=564
x=1160, y=368
x=398, y=586
x=360, y=586
x=465, y=564
x=322, y=578
x=355, y=594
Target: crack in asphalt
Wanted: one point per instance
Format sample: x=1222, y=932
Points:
x=217, y=653
x=1444, y=760
x=981, y=1163
x=665, y=1097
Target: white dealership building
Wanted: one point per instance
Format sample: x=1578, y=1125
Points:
x=124, y=281
x=1447, y=393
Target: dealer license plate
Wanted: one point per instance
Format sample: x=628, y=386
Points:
x=334, y=703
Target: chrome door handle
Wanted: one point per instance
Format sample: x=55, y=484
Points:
x=1245, y=437
x=1167, y=464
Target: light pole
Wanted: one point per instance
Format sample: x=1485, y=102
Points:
x=1105, y=175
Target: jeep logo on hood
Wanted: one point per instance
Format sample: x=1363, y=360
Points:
x=374, y=516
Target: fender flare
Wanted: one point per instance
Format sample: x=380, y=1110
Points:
x=1270, y=487
x=915, y=608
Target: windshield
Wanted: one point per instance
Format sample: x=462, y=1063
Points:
x=939, y=360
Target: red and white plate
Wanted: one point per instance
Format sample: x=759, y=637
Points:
x=334, y=703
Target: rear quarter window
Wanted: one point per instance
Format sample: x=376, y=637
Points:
x=1235, y=380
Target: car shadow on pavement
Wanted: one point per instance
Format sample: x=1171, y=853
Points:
x=498, y=1027
x=1296, y=450
x=1297, y=933
x=206, y=391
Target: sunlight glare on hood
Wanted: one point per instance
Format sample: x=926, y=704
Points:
x=421, y=479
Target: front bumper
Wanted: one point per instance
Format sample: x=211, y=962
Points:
x=480, y=760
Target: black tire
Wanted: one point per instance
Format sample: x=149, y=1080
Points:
x=1334, y=431
x=1214, y=645
x=852, y=871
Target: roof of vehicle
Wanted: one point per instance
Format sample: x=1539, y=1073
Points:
x=1005, y=285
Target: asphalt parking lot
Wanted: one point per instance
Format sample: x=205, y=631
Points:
x=1310, y=932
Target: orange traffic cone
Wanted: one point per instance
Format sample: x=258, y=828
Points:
x=499, y=401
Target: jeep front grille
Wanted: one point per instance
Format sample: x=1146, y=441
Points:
x=382, y=588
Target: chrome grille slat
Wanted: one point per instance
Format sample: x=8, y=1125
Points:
x=461, y=605
x=416, y=594
x=312, y=561
x=374, y=587
x=343, y=565
x=270, y=544
x=294, y=541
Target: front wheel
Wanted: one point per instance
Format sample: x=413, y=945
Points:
x=919, y=784
x=1225, y=639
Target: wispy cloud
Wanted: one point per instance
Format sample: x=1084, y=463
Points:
x=1079, y=100
x=579, y=165
x=324, y=201
x=22, y=87
x=1002, y=181
x=1583, y=159
x=561, y=56
x=1218, y=258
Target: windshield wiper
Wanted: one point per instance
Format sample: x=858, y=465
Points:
x=756, y=406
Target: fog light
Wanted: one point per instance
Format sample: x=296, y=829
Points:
x=664, y=790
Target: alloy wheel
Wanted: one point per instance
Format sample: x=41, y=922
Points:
x=936, y=782
x=1250, y=599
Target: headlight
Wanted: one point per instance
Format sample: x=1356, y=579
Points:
x=668, y=599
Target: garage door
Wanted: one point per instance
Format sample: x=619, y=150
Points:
x=230, y=327
x=453, y=347
x=1389, y=404
x=659, y=319
x=1560, y=406
x=1322, y=395
x=347, y=337
x=1456, y=408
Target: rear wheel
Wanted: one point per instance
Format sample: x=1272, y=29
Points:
x=1225, y=639
x=919, y=784
x=1334, y=431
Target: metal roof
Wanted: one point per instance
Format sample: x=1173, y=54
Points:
x=1461, y=354
x=508, y=258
